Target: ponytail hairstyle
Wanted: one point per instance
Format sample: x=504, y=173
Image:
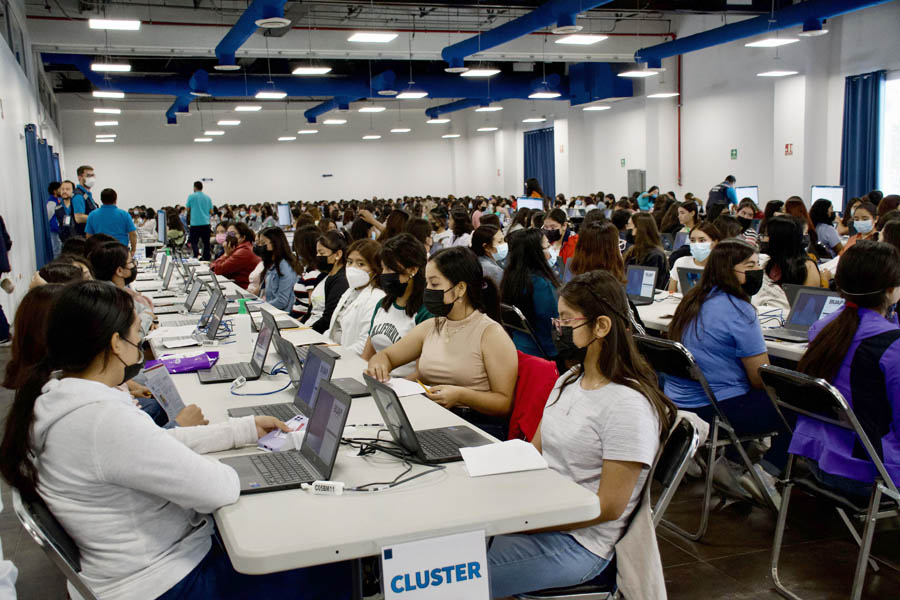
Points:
x=599, y=294
x=459, y=264
x=336, y=242
x=718, y=273
x=81, y=322
x=31, y=317
x=481, y=237
x=864, y=274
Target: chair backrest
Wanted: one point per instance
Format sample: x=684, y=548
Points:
x=672, y=358
x=512, y=318
x=817, y=399
x=672, y=463
x=533, y=386
x=47, y=532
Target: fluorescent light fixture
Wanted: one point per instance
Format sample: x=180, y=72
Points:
x=544, y=95
x=270, y=95
x=106, y=123
x=372, y=37
x=488, y=108
x=480, y=73
x=247, y=108
x=450, y=136
x=105, y=140
x=111, y=67
x=311, y=70
x=334, y=121
x=776, y=73
x=287, y=138
x=437, y=121
x=534, y=120
x=228, y=123
x=372, y=109
x=401, y=130
x=105, y=135
x=120, y=24
x=227, y=67
x=108, y=111
x=112, y=95
x=200, y=94
x=308, y=131
x=638, y=73
x=663, y=95
x=597, y=107
x=488, y=128
x=772, y=42
x=372, y=136
x=214, y=132
x=582, y=39
x=411, y=95
x=202, y=140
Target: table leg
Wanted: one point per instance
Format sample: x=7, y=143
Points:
x=357, y=578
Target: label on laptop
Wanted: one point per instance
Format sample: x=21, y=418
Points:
x=163, y=389
x=276, y=441
x=442, y=568
x=647, y=284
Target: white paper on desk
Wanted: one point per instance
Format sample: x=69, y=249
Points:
x=180, y=342
x=510, y=456
x=405, y=387
x=164, y=331
x=831, y=265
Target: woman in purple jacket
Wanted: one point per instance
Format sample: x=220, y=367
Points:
x=857, y=349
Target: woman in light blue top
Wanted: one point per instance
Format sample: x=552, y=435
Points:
x=281, y=267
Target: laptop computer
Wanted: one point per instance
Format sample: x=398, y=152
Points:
x=318, y=368
x=667, y=241
x=314, y=461
x=431, y=446
x=188, y=302
x=303, y=350
x=204, y=316
x=641, y=286
x=216, y=283
x=212, y=328
x=156, y=287
x=791, y=290
x=222, y=373
x=288, y=355
x=810, y=305
x=681, y=238
x=688, y=277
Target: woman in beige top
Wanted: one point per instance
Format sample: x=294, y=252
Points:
x=463, y=354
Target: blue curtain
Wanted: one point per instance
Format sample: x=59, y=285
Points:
x=859, y=150
x=57, y=174
x=40, y=165
x=539, y=162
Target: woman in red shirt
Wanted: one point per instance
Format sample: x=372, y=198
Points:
x=239, y=260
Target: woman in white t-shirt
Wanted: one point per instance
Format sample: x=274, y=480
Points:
x=704, y=237
x=351, y=319
x=601, y=428
x=402, y=278
x=460, y=227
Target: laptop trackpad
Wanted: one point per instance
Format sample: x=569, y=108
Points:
x=466, y=437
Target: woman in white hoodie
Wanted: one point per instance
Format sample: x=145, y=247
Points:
x=135, y=498
x=350, y=320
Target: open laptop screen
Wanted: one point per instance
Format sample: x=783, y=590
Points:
x=318, y=366
x=641, y=281
x=263, y=339
x=393, y=415
x=809, y=308
x=326, y=425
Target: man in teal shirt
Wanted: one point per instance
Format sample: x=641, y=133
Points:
x=199, y=206
x=112, y=220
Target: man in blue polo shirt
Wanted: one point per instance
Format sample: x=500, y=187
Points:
x=112, y=220
x=199, y=205
x=83, y=201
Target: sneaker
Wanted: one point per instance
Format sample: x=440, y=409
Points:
x=725, y=478
x=769, y=493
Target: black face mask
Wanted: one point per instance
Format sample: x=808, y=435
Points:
x=262, y=252
x=553, y=235
x=131, y=371
x=434, y=303
x=132, y=275
x=391, y=284
x=745, y=222
x=753, y=283
x=565, y=344
x=323, y=265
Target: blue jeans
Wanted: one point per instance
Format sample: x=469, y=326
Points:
x=215, y=579
x=841, y=484
x=527, y=562
x=55, y=243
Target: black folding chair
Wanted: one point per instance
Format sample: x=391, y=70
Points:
x=817, y=399
x=668, y=470
x=46, y=531
x=512, y=318
x=673, y=359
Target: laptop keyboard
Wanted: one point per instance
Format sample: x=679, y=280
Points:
x=437, y=444
x=281, y=467
x=183, y=323
x=230, y=370
x=284, y=412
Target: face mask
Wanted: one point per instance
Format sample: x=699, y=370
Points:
x=553, y=235
x=551, y=260
x=392, y=286
x=700, y=250
x=322, y=264
x=356, y=277
x=131, y=371
x=220, y=239
x=745, y=222
x=89, y=182
x=863, y=227
x=243, y=213
x=753, y=283
x=502, y=251
x=131, y=277
x=262, y=252
x=566, y=346
x=434, y=302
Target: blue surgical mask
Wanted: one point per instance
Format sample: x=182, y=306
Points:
x=863, y=227
x=700, y=250
x=502, y=251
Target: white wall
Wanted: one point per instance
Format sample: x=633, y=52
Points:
x=18, y=107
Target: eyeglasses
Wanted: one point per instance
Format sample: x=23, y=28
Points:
x=558, y=324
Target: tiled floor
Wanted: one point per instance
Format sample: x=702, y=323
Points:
x=731, y=563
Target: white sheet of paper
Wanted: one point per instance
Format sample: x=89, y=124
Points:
x=165, y=332
x=510, y=456
x=180, y=342
x=164, y=391
x=405, y=387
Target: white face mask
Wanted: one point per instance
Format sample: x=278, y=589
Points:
x=502, y=251
x=356, y=277
x=89, y=182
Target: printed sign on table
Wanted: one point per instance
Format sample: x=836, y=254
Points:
x=443, y=568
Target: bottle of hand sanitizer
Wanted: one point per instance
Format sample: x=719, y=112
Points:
x=242, y=328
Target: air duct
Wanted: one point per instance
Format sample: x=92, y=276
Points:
x=339, y=103
x=559, y=14
x=436, y=111
x=263, y=13
x=180, y=105
x=796, y=14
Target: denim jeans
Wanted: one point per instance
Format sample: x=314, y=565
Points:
x=215, y=579
x=522, y=562
x=55, y=243
x=844, y=485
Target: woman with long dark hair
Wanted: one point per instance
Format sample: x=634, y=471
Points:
x=490, y=247
x=304, y=245
x=788, y=261
x=331, y=256
x=29, y=340
x=602, y=427
x=460, y=228
x=562, y=239
x=280, y=266
x=822, y=216
x=135, y=499
x=857, y=349
x=598, y=249
x=394, y=225
x=704, y=237
x=647, y=250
